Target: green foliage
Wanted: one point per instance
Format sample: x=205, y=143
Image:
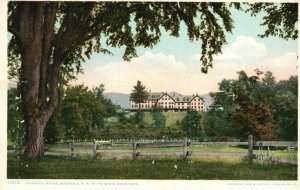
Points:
x=191, y=123
x=255, y=105
x=55, y=129
x=253, y=116
x=15, y=121
x=281, y=19
x=139, y=93
x=159, y=118
x=110, y=108
x=286, y=108
x=290, y=85
x=216, y=122
x=286, y=114
x=139, y=118
x=79, y=27
x=70, y=32
x=81, y=113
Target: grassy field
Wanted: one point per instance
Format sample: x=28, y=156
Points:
x=282, y=154
x=171, y=118
x=51, y=167
x=194, y=167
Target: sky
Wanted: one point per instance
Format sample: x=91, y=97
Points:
x=173, y=64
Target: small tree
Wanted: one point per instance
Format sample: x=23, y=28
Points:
x=191, y=123
x=159, y=118
x=139, y=95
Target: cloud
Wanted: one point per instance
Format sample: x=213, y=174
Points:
x=282, y=66
x=244, y=50
x=245, y=53
x=159, y=72
x=163, y=72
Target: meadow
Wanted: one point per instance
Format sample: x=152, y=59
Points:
x=173, y=119
x=54, y=166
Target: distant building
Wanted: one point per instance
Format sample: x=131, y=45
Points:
x=171, y=102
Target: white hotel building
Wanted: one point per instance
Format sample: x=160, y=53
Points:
x=171, y=102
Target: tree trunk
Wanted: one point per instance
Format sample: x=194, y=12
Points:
x=35, y=25
x=35, y=141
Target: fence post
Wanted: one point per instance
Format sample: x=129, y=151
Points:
x=134, y=148
x=95, y=150
x=185, y=147
x=72, y=152
x=250, y=149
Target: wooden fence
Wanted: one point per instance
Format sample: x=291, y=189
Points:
x=135, y=153
x=101, y=149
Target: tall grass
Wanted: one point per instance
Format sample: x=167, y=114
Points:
x=145, y=168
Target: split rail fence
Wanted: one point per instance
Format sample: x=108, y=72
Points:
x=101, y=149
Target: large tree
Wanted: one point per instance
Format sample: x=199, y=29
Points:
x=139, y=95
x=49, y=41
x=253, y=116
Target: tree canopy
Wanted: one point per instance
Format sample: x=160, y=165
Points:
x=281, y=19
x=255, y=105
x=139, y=93
x=191, y=123
x=51, y=39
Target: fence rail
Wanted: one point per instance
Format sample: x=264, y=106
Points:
x=101, y=149
x=160, y=144
x=223, y=154
x=276, y=143
x=220, y=143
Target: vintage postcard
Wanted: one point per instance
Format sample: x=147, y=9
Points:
x=149, y=95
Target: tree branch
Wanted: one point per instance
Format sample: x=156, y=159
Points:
x=49, y=21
